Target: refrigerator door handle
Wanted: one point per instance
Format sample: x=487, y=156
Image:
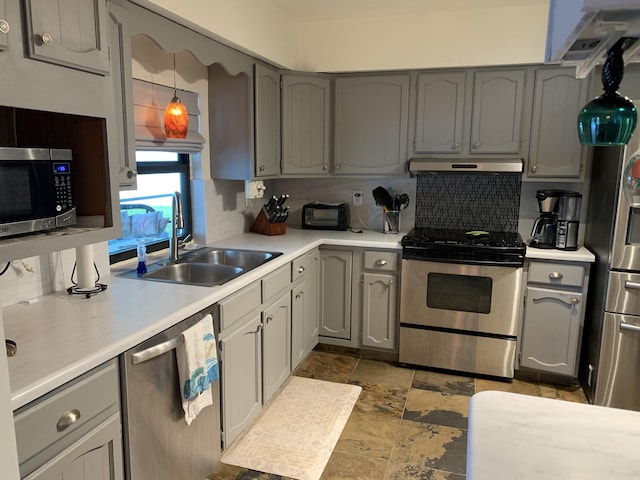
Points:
x=631, y=285
x=629, y=327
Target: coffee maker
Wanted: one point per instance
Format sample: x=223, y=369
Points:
x=543, y=233
x=568, y=215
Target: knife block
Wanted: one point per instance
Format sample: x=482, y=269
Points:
x=263, y=226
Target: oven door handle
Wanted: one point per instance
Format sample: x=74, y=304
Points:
x=629, y=327
x=631, y=285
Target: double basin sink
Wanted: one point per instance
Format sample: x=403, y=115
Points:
x=207, y=267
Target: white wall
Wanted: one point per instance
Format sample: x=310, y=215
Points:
x=427, y=40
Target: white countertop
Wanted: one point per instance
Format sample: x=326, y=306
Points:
x=523, y=437
x=61, y=336
x=580, y=255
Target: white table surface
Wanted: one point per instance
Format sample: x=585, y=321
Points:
x=513, y=436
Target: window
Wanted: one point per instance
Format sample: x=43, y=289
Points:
x=146, y=213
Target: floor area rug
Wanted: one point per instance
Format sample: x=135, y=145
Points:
x=296, y=433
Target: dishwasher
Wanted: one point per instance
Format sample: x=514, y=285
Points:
x=158, y=443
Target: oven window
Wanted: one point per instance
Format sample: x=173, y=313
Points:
x=461, y=293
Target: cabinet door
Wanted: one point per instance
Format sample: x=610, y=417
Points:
x=241, y=367
x=123, y=93
x=371, y=116
x=379, y=310
x=555, y=150
x=69, y=32
x=440, y=112
x=335, y=298
x=5, y=26
x=276, y=339
x=305, y=317
x=96, y=456
x=267, y=118
x=496, y=121
x=550, y=331
x=305, y=124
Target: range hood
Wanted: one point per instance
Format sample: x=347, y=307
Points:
x=580, y=32
x=510, y=165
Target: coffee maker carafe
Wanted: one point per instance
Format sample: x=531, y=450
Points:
x=543, y=233
x=568, y=220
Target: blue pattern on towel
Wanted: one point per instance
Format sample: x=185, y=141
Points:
x=202, y=377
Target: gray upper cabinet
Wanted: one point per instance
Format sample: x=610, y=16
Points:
x=267, y=121
x=5, y=26
x=305, y=124
x=120, y=48
x=555, y=150
x=440, y=112
x=69, y=32
x=496, y=119
x=370, y=124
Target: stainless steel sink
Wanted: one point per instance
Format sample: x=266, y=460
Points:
x=245, y=259
x=204, y=274
x=208, y=266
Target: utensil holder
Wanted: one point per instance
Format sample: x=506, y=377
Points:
x=262, y=225
x=391, y=222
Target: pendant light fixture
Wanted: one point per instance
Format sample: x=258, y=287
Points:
x=176, y=119
x=609, y=119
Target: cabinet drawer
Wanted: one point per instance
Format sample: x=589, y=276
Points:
x=381, y=260
x=236, y=306
x=302, y=264
x=560, y=274
x=275, y=282
x=91, y=398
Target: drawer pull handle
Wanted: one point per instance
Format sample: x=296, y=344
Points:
x=299, y=294
x=629, y=327
x=269, y=318
x=68, y=419
x=382, y=263
x=300, y=269
x=631, y=285
x=555, y=276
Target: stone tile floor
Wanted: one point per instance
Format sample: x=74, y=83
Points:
x=407, y=424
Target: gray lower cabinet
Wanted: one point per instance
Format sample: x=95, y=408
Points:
x=69, y=32
x=550, y=337
x=371, y=114
x=73, y=433
x=267, y=121
x=5, y=25
x=555, y=150
x=306, y=112
x=335, y=293
x=380, y=299
x=305, y=325
x=276, y=340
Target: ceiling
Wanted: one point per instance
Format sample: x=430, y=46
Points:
x=327, y=10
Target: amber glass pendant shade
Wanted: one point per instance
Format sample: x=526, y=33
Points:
x=609, y=119
x=176, y=119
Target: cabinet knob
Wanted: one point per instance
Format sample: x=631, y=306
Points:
x=68, y=419
x=454, y=146
x=476, y=145
x=4, y=26
x=324, y=167
x=381, y=262
x=269, y=318
x=46, y=39
x=131, y=173
x=390, y=282
x=300, y=269
x=299, y=294
x=534, y=168
x=574, y=300
x=555, y=275
x=338, y=167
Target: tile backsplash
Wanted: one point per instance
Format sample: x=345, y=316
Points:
x=468, y=201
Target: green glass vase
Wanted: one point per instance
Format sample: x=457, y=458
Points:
x=609, y=119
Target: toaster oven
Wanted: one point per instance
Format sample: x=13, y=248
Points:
x=325, y=216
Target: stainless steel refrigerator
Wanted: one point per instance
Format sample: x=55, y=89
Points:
x=610, y=363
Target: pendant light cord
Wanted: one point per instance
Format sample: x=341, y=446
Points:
x=175, y=91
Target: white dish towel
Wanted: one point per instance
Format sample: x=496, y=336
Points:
x=197, y=367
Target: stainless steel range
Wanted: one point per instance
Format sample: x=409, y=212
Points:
x=460, y=300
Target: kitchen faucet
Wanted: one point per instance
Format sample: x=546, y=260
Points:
x=177, y=221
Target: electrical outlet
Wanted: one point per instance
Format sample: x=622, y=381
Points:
x=357, y=198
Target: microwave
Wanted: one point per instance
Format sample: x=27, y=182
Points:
x=36, y=191
x=325, y=216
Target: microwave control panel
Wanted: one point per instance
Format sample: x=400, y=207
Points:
x=62, y=179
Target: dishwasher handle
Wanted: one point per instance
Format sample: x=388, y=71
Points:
x=156, y=350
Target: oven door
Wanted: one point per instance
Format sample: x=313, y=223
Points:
x=472, y=298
